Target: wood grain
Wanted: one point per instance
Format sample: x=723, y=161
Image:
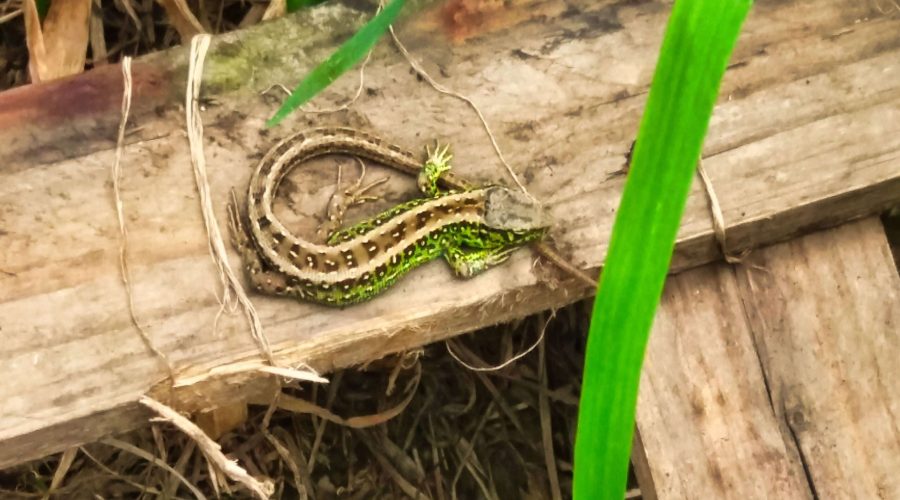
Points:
x=778, y=379
x=703, y=412
x=806, y=135
x=825, y=316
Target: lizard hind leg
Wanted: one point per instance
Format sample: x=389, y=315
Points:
x=436, y=165
x=261, y=277
x=239, y=237
x=341, y=201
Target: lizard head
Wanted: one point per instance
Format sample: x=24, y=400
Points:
x=513, y=210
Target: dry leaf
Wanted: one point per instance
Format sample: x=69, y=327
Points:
x=59, y=47
x=181, y=17
x=97, y=37
x=276, y=9
x=34, y=39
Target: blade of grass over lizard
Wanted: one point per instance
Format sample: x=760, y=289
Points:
x=42, y=7
x=295, y=5
x=350, y=53
x=693, y=58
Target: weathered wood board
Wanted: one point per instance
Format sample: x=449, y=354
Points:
x=703, y=412
x=780, y=380
x=806, y=135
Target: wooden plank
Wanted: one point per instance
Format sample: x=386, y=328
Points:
x=564, y=93
x=704, y=417
x=825, y=316
x=779, y=381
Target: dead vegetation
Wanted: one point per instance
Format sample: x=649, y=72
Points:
x=113, y=29
x=465, y=433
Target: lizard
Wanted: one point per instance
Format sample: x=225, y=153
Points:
x=472, y=228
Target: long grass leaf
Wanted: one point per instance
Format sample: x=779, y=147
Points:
x=350, y=53
x=695, y=51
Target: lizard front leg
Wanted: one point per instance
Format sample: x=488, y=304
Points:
x=471, y=262
x=437, y=164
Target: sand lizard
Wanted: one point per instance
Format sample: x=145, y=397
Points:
x=473, y=228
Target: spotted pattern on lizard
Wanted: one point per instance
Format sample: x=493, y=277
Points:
x=473, y=229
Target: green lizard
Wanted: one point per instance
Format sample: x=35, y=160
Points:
x=473, y=229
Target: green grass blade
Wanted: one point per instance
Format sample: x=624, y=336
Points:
x=350, y=53
x=42, y=7
x=295, y=5
x=693, y=58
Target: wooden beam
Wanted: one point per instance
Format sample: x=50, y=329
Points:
x=704, y=417
x=806, y=135
x=825, y=316
x=778, y=378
